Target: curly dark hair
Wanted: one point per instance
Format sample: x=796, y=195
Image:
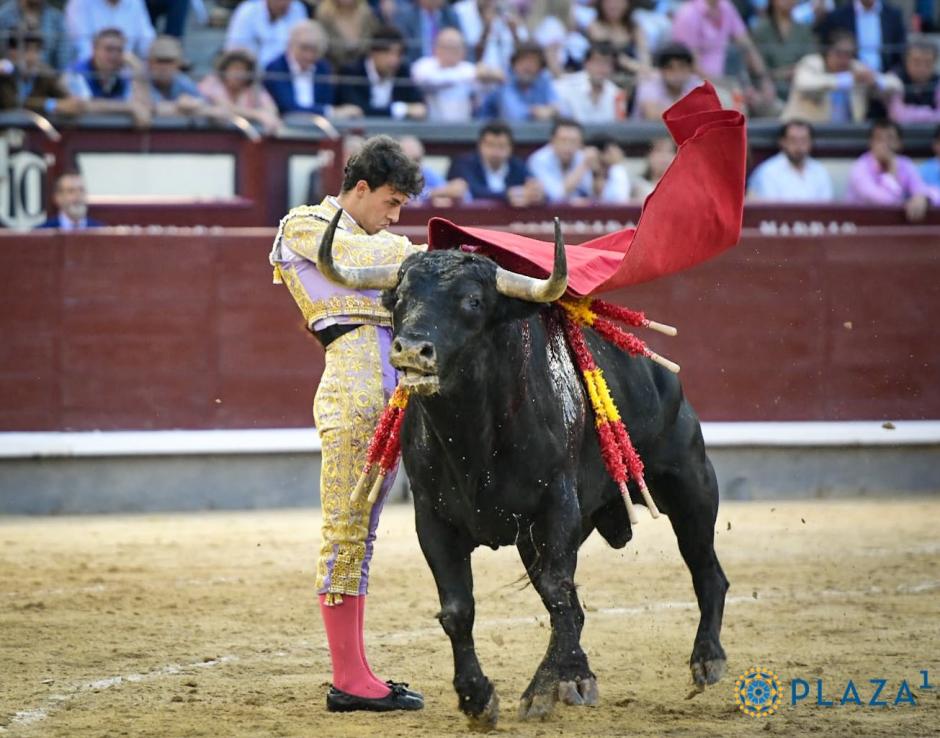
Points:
x=381, y=161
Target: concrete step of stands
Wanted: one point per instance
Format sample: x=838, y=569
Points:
x=202, y=44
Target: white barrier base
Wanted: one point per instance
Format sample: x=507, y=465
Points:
x=306, y=440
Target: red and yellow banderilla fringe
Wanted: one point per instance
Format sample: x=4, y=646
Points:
x=600, y=316
x=619, y=454
x=384, y=448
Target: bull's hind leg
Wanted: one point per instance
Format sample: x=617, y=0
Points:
x=690, y=496
x=550, y=555
x=448, y=554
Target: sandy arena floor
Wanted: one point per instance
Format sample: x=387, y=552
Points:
x=206, y=625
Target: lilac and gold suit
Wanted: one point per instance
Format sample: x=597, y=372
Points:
x=356, y=383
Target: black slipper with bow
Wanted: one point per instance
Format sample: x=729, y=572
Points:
x=399, y=698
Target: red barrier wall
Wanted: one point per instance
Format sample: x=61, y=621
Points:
x=110, y=331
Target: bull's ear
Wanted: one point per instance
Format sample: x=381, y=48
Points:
x=388, y=299
x=509, y=309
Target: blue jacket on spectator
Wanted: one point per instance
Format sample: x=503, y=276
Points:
x=356, y=89
x=469, y=168
x=280, y=85
x=82, y=80
x=55, y=222
x=510, y=102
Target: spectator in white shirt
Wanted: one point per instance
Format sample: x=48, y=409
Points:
x=792, y=175
x=84, y=18
x=301, y=81
x=449, y=83
x=491, y=29
x=263, y=27
x=589, y=96
x=564, y=170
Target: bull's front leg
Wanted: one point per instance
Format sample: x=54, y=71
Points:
x=447, y=552
x=550, y=555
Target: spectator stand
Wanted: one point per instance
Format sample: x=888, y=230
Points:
x=188, y=172
x=180, y=172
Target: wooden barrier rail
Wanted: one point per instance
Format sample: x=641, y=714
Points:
x=185, y=330
x=260, y=187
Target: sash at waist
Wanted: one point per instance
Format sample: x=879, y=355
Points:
x=354, y=307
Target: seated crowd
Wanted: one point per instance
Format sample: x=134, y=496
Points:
x=596, y=61
x=570, y=62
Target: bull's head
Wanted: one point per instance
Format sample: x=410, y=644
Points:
x=442, y=301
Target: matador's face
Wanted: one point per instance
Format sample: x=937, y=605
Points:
x=376, y=209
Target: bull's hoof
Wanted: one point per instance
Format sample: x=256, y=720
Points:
x=538, y=706
x=708, y=671
x=587, y=688
x=568, y=693
x=486, y=720
x=579, y=692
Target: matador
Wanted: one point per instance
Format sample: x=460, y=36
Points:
x=357, y=381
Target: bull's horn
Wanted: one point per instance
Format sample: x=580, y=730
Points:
x=537, y=290
x=355, y=278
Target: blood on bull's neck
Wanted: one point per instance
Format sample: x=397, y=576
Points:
x=487, y=399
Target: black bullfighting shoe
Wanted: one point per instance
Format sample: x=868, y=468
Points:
x=400, y=698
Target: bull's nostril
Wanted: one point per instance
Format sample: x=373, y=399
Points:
x=427, y=351
x=396, y=346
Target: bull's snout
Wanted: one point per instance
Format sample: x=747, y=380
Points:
x=412, y=354
x=417, y=361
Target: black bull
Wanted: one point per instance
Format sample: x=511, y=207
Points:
x=499, y=444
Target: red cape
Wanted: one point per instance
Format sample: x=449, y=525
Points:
x=694, y=213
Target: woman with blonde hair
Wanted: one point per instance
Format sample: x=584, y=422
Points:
x=349, y=24
x=233, y=89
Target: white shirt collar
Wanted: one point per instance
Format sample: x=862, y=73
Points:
x=502, y=172
x=861, y=10
x=334, y=201
x=372, y=73
x=294, y=67
x=67, y=224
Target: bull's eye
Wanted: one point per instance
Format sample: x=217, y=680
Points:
x=471, y=302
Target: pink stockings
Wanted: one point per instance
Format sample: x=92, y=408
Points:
x=344, y=628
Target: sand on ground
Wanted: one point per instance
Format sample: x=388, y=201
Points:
x=207, y=625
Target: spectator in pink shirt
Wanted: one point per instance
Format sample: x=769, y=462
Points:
x=234, y=90
x=882, y=177
x=920, y=101
x=708, y=27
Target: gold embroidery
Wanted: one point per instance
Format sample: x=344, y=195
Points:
x=362, y=309
x=303, y=228
x=347, y=407
x=350, y=398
